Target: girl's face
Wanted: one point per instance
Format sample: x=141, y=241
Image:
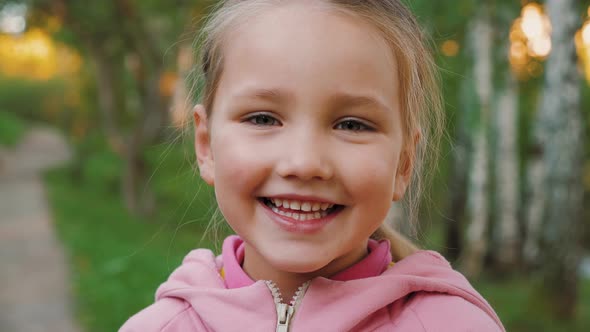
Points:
x=307, y=110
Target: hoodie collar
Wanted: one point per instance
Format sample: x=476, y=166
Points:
x=198, y=282
x=375, y=263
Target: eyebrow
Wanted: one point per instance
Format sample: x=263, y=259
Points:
x=351, y=100
x=340, y=99
x=273, y=95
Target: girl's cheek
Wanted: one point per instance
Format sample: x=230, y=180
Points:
x=376, y=178
x=238, y=162
x=371, y=164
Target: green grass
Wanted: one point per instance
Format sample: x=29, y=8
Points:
x=515, y=304
x=117, y=260
x=12, y=128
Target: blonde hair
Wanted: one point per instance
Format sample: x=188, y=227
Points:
x=421, y=101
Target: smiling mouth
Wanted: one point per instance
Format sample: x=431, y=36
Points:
x=300, y=211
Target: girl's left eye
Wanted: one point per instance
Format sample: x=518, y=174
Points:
x=353, y=125
x=262, y=120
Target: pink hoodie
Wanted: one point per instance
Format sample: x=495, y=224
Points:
x=419, y=293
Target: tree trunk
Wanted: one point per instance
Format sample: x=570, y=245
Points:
x=459, y=176
x=507, y=179
x=109, y=99
x=132, y=36
x=478, y=193
x=535, y=199
x=560, y=123
x=507, y=189
x=139, y=197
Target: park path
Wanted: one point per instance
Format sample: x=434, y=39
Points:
x=34, y=278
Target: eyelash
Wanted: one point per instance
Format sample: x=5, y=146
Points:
x=363, y=127
x=252, y=119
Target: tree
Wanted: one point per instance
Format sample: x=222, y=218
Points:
x=558, y=138
x=478, y=182
x=506, y=156
x=125, y=41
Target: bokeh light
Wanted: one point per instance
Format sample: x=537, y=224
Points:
x=12, y=18
x=35, y=55
x=583, y=47
x=530, y=38
x=450, y=48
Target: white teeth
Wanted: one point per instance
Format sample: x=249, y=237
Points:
x=301, y=205
x=306, y=206
x=316, y=206
x=300, y=216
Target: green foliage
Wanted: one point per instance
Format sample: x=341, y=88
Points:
x=11, y=128
x=117, y=260
x=102, y=171
x=32, y=100
x=440, y=18
x=520, y=311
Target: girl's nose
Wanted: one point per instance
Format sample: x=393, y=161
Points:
x=304, y=157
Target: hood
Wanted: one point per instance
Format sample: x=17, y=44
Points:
x=344, y=304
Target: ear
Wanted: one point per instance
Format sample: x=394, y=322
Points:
x=406, y=166
x=203, y=145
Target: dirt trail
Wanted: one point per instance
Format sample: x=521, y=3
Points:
x=34, y=278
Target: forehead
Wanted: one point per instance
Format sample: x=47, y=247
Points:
x=311, y=51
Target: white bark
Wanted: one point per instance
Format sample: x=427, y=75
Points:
x=536, y=197
x=478, y=206
x=507, y=179
x=559, y=133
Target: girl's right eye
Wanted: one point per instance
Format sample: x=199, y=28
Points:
x=262, y=120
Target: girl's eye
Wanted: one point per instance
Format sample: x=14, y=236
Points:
x=262, y=120
x=353, y=125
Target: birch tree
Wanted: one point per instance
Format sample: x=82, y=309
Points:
x=535, y=199
x=457, y=186
x=507, y=198
x=478, y=193
x=559, y=138
x=459, y=171
x=507, y=179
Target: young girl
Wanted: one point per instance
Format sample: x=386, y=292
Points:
x=314, y=116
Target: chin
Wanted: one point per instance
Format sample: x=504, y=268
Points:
x=297, y=263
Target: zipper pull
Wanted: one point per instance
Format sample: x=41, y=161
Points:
x=284, y=314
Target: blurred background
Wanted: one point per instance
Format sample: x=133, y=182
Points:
x=97, y=165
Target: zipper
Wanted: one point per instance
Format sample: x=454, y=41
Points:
x=285, y=311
